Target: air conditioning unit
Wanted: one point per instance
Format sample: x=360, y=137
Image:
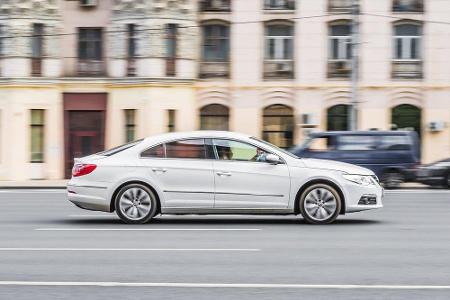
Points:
x=88, y=3
x=436, y=126
x=284, y=67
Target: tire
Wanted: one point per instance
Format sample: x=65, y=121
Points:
x=136, y=204
x=392, y=180
x=320, y=204
x=447, y=181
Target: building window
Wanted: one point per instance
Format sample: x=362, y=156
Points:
x=37, y=135
x=90, y=51
x=406, y=117
x=37, y=49
x=402, y=6
x=407, y=62
x=215, y=51
x=338, y=118
x=339, y=50
x=214, y=117
x=278, y=125
x=130, y=125
x=171, y=120
x=279, y=4
x=2, y=39
x=131, y=50
x=279, y=45
x=340, y=6
x=171, y=49
x=215, y=5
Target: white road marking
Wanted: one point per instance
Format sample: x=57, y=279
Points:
x=130, y=249
x=225, y=285
x=147, y=229
x=93, y=216
x=32, y=191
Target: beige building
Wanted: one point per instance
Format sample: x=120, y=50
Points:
x=83, y=75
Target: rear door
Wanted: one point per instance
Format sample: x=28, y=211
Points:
x=183, y=170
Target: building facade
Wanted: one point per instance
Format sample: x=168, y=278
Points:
x=83, y=75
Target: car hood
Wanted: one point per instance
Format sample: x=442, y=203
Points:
x=335, y=166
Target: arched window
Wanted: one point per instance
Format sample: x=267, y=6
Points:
x=214, y=117
x=278, y=125
x=215, y=50
x=279, y=48
x=339, y=49
x=407, y=116
x=338, y=117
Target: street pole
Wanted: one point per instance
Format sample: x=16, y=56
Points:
x=353, y=120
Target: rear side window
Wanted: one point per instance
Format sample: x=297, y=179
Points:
x=356, y=142
x=395, y=142
x=157, y=151
x=194, y=148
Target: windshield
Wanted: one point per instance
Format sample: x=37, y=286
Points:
x=276, y=147
x=119, y=148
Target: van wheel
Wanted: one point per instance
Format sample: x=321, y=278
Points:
x=447, y=180
x=320, y=204
x=392, y=179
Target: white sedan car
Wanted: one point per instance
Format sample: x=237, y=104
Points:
x=214, y=172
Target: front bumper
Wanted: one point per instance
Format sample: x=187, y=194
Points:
x=359, y=198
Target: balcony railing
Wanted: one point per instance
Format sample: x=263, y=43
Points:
x=131, y=67
x=279, y=5
x=279, y=69
x=220, y=69
x=407, y=69
x=340, y=6
x=341, y=68
x=215, y=6
x=90, y=67
x=407, y=6
x=36, y=66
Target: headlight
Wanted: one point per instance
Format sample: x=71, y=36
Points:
x=360, y=179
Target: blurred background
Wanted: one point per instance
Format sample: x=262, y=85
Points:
x=79, y=76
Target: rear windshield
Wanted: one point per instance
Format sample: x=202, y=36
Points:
x=118, y=149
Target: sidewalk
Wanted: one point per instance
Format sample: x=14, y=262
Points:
x=61, y=184
x=34, y=184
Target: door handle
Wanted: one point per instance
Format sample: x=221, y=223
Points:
x=159, y=170
x=223, y=173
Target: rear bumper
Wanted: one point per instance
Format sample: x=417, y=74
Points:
x=89, y=197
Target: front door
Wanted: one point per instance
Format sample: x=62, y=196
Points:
x=244, y=180
x=85, y=135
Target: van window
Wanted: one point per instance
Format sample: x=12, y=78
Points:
x=318, y=144
x=356, y=142
x=395, y=142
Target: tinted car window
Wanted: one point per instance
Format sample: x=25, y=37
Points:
x=194, y=148
x=157, y=151
x=119, y=148
x=233, y=150
x=356, y=142
x=395, y=142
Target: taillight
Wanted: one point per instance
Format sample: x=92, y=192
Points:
x=82, y=169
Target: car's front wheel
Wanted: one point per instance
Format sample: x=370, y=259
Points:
x=136, y=204
x=320, y=204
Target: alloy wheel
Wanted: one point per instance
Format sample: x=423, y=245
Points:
x=135, y=203
x=320, y=204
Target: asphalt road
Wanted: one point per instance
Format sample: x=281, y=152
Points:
x=50, y=249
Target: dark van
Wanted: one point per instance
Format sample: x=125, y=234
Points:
x=392, y=155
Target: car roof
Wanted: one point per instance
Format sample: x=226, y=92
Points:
x=196, y=134
x=367, y=132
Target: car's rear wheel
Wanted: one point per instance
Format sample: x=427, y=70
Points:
x=136, y=204
x=392, y=179
x=320, y=204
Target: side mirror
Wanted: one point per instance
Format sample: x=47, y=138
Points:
x=273, y=159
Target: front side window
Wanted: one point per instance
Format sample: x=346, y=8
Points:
x=279, y=42
x=37, y=135
x=234, y=150
x=407, y=41
x=194, y=148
